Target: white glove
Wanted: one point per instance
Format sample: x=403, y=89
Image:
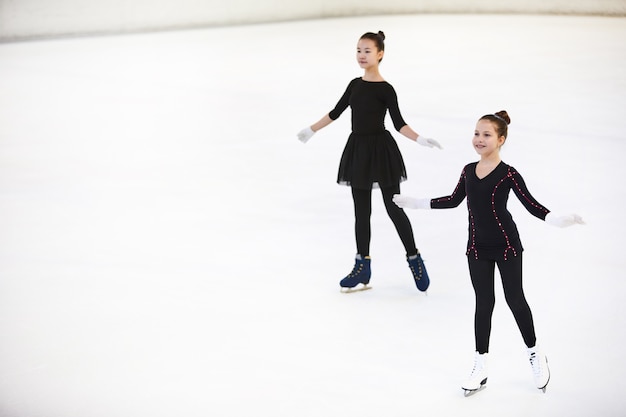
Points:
x=563, y=221
x=431, y=143
x=410, y=202
x=305, y=134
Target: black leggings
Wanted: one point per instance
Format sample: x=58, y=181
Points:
x=482, y=274
x=363, y=211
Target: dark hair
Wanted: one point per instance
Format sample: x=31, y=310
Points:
x=501, y=120
x=378, y=38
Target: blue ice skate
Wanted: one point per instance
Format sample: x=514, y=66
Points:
x=418, y=269
x=360, y=274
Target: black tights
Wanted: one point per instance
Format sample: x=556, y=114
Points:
x=482, y=274
x=363, y=211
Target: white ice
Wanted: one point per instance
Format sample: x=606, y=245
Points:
x=168, y=248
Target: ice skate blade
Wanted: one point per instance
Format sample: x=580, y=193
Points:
x=362, y=287
x=470, y=392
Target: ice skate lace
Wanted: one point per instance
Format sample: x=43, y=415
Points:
x=474, y=370
x=358, y=267
x=417, y=274
x=535, y=363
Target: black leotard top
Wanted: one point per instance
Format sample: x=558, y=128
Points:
x=369, y=102
x=492, y=231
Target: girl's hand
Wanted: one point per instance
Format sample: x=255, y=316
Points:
x=409, y=202
x=563, y=221
x=305, y=134
x=431, y=143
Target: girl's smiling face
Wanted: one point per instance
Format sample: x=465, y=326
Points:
x=486, y=140
x=367, y=54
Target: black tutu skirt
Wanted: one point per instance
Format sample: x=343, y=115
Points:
x=371, y=161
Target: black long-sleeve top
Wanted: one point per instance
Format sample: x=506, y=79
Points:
x=369, y=102
x=492, y=231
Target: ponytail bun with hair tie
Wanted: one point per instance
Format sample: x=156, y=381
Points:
x=504, y=116
x=502, y=121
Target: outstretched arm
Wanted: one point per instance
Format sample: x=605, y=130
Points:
x=536, y=209
x=305, y=134
x=451, y=201
x=401, y=126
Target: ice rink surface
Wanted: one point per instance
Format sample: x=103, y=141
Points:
x=168, y=248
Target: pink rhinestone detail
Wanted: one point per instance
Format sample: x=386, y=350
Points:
x=493, y=208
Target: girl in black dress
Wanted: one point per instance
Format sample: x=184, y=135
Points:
x=371, y=158
x=494, y=241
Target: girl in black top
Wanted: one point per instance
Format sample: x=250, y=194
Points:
x=494, y=240
x=371, y=158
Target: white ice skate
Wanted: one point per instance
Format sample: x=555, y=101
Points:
x=478, y=378
x=539, y=364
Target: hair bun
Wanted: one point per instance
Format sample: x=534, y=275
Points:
x=502, y=114
x=381, y=34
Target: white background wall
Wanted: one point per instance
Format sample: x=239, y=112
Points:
x=24, y=19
